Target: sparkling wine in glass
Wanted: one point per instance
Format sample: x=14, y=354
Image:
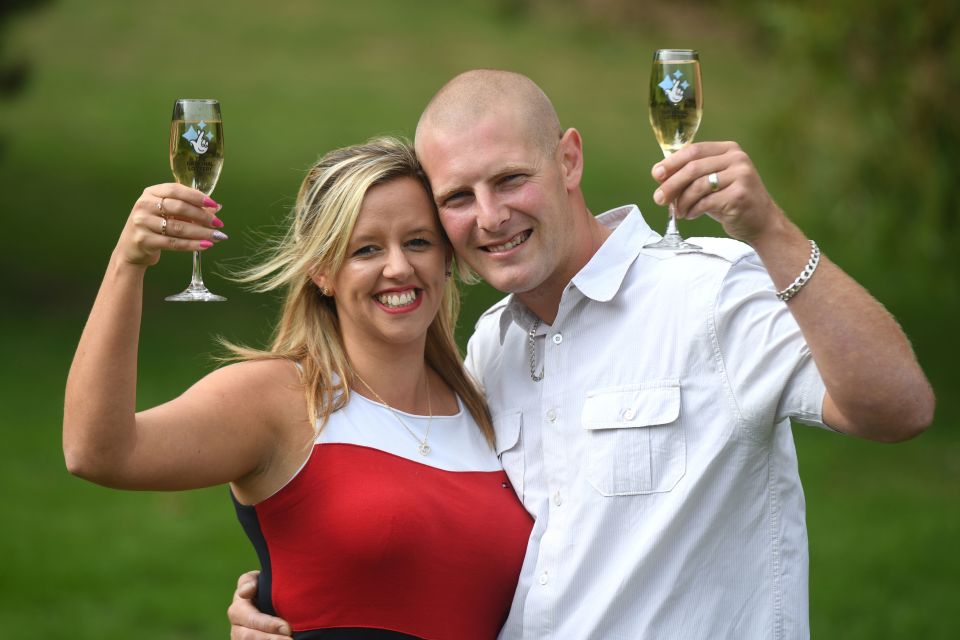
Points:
x=676, y=106
x=196, y=157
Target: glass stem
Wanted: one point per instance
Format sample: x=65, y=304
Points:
x=672, y=220
x=196, y=280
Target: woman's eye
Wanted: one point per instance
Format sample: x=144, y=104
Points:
x=419, y=243
x=365, y=250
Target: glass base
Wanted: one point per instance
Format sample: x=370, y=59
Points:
x=195, y=294
x=673, y=242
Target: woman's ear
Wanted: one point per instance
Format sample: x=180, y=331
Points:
x=323, y=283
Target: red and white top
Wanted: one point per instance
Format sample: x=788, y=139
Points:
x=371, y=535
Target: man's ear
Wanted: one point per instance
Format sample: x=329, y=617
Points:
x=570, y=155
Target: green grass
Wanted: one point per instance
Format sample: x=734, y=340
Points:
x=295, y=79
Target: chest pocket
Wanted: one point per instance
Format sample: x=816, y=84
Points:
x=509, y=430
x=635, y=438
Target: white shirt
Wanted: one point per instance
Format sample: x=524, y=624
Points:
x=656, y=453
x=456, y=442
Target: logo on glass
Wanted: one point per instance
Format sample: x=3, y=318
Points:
x=199, y=140
x=674, y=86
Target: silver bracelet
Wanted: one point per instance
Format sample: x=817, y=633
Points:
x=804, y=276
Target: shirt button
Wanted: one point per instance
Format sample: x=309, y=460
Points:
x=552, y=415
x=629, y=414
x=557, y=499
x=557, y=338
x=544, y=578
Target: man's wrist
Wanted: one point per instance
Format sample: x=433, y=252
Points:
x=804, y=277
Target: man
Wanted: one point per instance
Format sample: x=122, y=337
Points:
x=642, y=397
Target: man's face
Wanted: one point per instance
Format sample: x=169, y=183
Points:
x=503, y=201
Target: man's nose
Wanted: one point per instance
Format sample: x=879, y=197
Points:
x=491, y=213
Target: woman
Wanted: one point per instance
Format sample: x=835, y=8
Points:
x=357, y=449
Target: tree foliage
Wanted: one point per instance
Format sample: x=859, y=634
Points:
x=878, y=87
x=13, y=70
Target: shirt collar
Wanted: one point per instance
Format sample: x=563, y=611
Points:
x=602, y=276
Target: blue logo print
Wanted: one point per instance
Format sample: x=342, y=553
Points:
x=199, y=140
x=674, y=86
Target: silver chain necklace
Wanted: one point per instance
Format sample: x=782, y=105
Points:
x=532, y=348
x=422, y=445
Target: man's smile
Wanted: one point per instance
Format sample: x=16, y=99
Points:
x=515, y=241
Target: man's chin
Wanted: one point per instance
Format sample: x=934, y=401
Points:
x=503, y=277
x=509, y=283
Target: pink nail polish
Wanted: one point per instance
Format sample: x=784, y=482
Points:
x=217, y=222
x=205, y=244
x=210, y=202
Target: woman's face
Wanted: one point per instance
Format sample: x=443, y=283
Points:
x=391, y=283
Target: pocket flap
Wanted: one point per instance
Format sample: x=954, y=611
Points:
x=507, y=428
x=638, y=405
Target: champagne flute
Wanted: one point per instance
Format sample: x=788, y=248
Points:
x=196, y=158
x=676, y=106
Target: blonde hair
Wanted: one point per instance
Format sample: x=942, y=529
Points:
x=321, y=223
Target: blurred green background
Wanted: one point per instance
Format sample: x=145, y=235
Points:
x=848, y=110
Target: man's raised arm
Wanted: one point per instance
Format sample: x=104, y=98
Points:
x=875, y=386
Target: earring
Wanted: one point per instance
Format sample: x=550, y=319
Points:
x=325, y=291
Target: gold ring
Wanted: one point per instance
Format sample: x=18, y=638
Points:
x=714, y=181
x=160, y=207
x=163, y=225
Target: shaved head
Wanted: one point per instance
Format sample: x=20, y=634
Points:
x=473, y=95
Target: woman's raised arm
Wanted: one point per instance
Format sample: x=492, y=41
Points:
x=201, y=438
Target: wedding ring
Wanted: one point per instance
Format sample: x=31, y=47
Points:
x=163, y=224
x=160, y=207
x=714, y=181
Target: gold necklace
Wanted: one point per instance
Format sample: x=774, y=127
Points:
x=422, y=445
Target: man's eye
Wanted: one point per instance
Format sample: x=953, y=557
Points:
x=456, y=199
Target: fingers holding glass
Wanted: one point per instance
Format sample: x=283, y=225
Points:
x=173, y=201
x=703, y=194
x=162, y=222
x=689, y=183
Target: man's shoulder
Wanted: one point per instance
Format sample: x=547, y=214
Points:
x=727, y=249
x=483, y=348
x=491, y=317
x=718, y=259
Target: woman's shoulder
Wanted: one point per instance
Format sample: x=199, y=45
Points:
x=269, y=383
x=278, y=369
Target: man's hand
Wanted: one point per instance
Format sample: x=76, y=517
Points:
x=736, y=199
x=246, y=621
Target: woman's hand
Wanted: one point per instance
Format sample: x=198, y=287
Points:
x=169, y=217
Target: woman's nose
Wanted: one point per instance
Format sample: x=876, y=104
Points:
x=397, y=266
